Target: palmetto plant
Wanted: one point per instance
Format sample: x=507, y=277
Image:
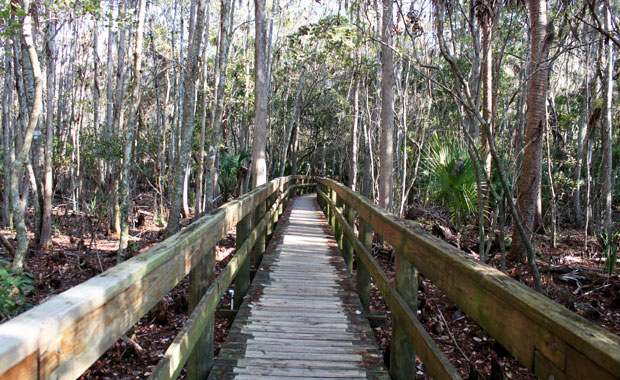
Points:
x=229, y=168
x=451, y=175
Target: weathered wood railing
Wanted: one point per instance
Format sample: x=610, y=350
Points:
x=62, y=337
x=545, y=337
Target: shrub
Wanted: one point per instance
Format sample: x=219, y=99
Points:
x=14, y=285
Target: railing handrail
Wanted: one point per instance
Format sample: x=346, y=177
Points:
x=543, y=335
x=63, y=336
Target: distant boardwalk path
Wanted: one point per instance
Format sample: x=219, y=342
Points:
x=301, y=318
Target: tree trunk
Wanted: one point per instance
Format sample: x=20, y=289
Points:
x=294, y=148
x=607, y=134
x=530, y=181
x=117, y=121
x=354, y=134
x=226, y=18
x=96, y=90
x=259, y=169
x=20, y=159
x=134, y=103
x=46, y=221
x=199, y=206
x=486, y=15
x=387, y=109
x=189, y=111
x=8, y=138
x=286, y=140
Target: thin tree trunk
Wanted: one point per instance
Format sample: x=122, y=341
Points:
x=20, y=159
x=189, y=111
x=96, y=90
x=530, y=182
x=294, y=148
x=8, y=145
x=354, y=135
x=387, y=109
x=134, y=103
x=403, y=198
x=46, y=222
x=486, y=16
x=607, y=134
x=259, y=169
x=117, y=121
x=199, y=206
x=226, y=17
x=286, y=141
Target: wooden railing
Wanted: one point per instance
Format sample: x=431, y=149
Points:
x=62, y=337
x=550, y=340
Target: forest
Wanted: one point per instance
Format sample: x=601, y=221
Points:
x=492, y=124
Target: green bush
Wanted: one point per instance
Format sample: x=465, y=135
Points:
x=14, y=285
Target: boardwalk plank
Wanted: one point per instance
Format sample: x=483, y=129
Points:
x=302, y=318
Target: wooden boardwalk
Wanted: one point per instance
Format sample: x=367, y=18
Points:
x=302, y=317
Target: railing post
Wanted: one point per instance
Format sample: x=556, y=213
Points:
x=349, y=214
x=332, y=215
x=363, y=276
x=270, y=200
x=338, y=228
x=242, y=281
x=328, y=208
x=281, y=189
x=201, y=359
x=259, y=246
x=402, y=353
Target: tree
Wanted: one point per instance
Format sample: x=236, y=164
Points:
x=45, y=238
x=485, y=12
x=259, y=167
x=134, y=104
x=607, y=135
x=530, y=180
x=33, y=118
x=189, y=113
x=387, y=109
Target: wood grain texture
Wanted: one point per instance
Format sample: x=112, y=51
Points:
x=542, y=335
x=301, y=317
x=436, y=364
x=69, y=332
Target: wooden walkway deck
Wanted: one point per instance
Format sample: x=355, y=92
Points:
x=301, y=318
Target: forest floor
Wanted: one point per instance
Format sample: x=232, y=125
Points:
x=81, y=250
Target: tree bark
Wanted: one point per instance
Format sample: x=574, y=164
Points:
x=387, y=109
x=259, y=167
x=486, y=15
x=117, y=121
x=531, y=170
x=20, y=159
x=226, y=18
x=354, y=134
x=9, y=144
x=199, y=205
x=607, y=134
x=134, y=103
x=45, y=238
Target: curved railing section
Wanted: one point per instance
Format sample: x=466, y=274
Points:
x=62, y=337
x=547, y=338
